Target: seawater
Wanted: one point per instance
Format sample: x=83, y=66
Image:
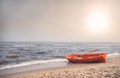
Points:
x=16, y=54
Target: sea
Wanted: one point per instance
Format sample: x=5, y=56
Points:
x=19, y=54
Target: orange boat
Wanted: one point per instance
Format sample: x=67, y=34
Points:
x=87, y=58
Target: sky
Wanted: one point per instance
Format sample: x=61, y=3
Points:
x=60, y=20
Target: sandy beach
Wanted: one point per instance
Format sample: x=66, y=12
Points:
x=110, y=69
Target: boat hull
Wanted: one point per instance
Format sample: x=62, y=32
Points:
x=87, y=58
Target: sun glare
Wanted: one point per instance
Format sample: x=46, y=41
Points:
x=97, y=22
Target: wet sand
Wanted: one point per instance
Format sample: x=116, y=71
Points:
x=110, y=69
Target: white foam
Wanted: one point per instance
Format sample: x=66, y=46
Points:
x=113, y=54
x=32, y=63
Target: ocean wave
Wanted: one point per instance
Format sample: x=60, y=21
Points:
x=32, y=63
x=115, y=54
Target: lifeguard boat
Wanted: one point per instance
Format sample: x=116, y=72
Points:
x=87, y=58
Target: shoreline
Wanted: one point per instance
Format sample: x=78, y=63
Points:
x=37, y=66
x=40, y=64
x=110, y=69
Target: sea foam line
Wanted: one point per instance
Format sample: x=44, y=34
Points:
x=32, y=63
x=113, y=54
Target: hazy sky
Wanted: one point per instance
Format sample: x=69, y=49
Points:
x=60, y=20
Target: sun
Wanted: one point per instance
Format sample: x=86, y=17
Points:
x=97, y=22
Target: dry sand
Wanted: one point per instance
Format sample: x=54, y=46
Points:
x=110, y=69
